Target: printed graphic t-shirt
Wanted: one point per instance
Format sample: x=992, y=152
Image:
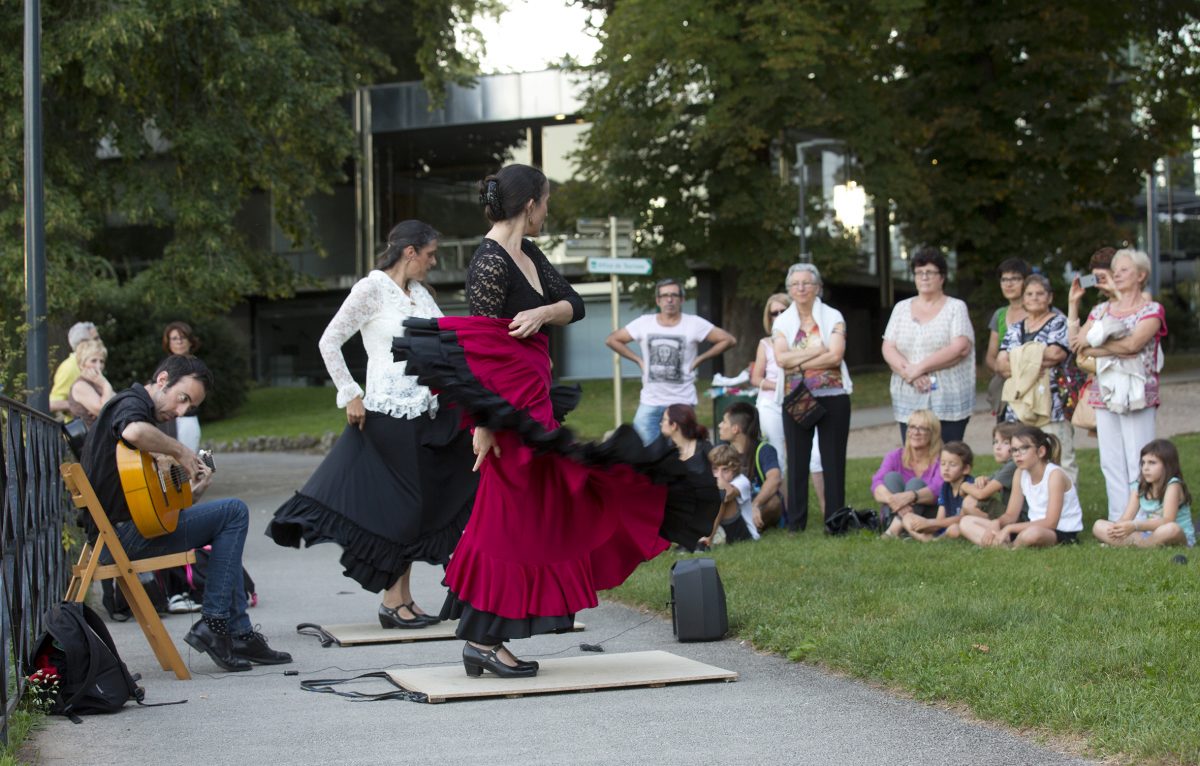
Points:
x=668, y=353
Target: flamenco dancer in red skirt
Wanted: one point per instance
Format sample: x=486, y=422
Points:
x=554, y=520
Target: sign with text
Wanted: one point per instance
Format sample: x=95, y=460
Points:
x=632, y=266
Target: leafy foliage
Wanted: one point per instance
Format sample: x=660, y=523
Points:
x=162, y=119
x=997, y=129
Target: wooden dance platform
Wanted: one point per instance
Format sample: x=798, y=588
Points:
x=370, y=633
x=572, y=674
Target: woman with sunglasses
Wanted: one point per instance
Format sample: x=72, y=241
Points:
x=810, y=343
x=930, y=345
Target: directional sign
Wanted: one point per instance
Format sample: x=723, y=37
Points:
x=592, y=226
x=597, y=247
x=635, y=266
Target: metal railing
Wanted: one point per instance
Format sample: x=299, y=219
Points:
x=34, y=568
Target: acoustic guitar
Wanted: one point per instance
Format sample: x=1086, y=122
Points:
x=155, y=496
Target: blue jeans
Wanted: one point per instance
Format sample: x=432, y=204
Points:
x=220, y=523
x=647, y=421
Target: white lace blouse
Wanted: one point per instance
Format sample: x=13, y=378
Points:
x=377, y=308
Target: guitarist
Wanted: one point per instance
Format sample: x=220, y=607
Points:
x=178, y=387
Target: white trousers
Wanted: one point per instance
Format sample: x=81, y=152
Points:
x=770, y=422
x=1065, y=433
x=1121, y=439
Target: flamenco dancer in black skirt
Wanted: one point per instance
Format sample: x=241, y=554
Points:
x=397, y=486
x=554, y=520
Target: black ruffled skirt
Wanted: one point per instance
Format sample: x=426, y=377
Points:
x=398, y=491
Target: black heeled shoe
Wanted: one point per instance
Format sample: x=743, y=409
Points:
x=476, y=660
x=390, y=618
x=428, y=618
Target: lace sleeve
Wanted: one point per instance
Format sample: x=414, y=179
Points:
x=360, y=305
x=487, y=284
x=557, y=288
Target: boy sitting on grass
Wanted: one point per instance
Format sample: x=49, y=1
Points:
x=987, y=496
x=956, y=461
x=735, y=516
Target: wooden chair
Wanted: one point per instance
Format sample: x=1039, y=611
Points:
x=124, y=571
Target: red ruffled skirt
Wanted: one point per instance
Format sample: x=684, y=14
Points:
x=554, y=520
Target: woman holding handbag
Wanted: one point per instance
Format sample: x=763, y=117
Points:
x=810, y=344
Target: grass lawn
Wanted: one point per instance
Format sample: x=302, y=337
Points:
x=1080, y=641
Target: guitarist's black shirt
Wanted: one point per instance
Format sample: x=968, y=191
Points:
x=99, y=461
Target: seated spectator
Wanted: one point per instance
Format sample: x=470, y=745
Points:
x=734, y=518
x=679, y=424
x=987, y=497
x=956, y=461
x=1055, y=516
x=91, y=390
x=909, y=479
x=1160, y=506
x=760, y=462
x=68, y=370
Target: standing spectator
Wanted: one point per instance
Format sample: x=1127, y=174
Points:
x=1124, y=426
x=668, y=341
x=929, y=344
x=1012, y=273
x=68, y=370
x=178, y=339
x=810, y=346
x=1042, y=324
x=1100, y=266
x=766, y=376
x=91, y=390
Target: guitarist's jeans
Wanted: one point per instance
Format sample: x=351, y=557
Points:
x=220, y=523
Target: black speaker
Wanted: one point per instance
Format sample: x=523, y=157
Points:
x=698, y=601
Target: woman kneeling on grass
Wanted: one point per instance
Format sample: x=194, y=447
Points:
x=1055, y=516
x=1160, y=506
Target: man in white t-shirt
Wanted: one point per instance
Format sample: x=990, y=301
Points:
x=668, y=341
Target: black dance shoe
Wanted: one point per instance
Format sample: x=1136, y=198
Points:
x=254, y=647
x=390, y=618
x=476, y=660
x=429, y=618
x=218, y=648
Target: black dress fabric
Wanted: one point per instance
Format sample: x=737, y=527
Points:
x=497, y=288
x=393, y=493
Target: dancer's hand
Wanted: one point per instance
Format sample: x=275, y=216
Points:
x=528, y=322
x=356, y=413
x=483, y=441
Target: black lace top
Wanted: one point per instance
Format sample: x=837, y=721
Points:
x=496, y=287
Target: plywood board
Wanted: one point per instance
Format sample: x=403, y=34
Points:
x=371, y=633
x=572, y=674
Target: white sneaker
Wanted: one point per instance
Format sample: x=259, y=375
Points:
x=181, y=604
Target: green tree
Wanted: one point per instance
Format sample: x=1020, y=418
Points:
x=1040, y=120
x=161, y=119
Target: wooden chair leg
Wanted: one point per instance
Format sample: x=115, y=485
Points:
x=151, y=625
x=81, y=576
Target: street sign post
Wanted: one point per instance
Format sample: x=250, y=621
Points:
x=629, y=266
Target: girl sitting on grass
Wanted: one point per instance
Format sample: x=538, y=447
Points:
x=1160, y=506
x=1055, y=516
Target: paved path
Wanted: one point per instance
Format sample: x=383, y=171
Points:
x=779, y=712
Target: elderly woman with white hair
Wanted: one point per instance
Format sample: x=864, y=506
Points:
x=1125, y=427
x=810, y=346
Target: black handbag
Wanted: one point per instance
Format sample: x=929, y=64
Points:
x=802, y=406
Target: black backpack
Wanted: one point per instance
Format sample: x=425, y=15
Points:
x=79, y=650
x=846, y=519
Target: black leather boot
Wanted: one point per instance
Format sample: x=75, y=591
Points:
x=253, y=647
x=218, y=647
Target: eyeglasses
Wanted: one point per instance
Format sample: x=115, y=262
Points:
x=920, y=429
x=775, y=313
x=800, y=285
x=926, y=273
x=1021, y=450
x=671, y=296
x=1011, y=280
